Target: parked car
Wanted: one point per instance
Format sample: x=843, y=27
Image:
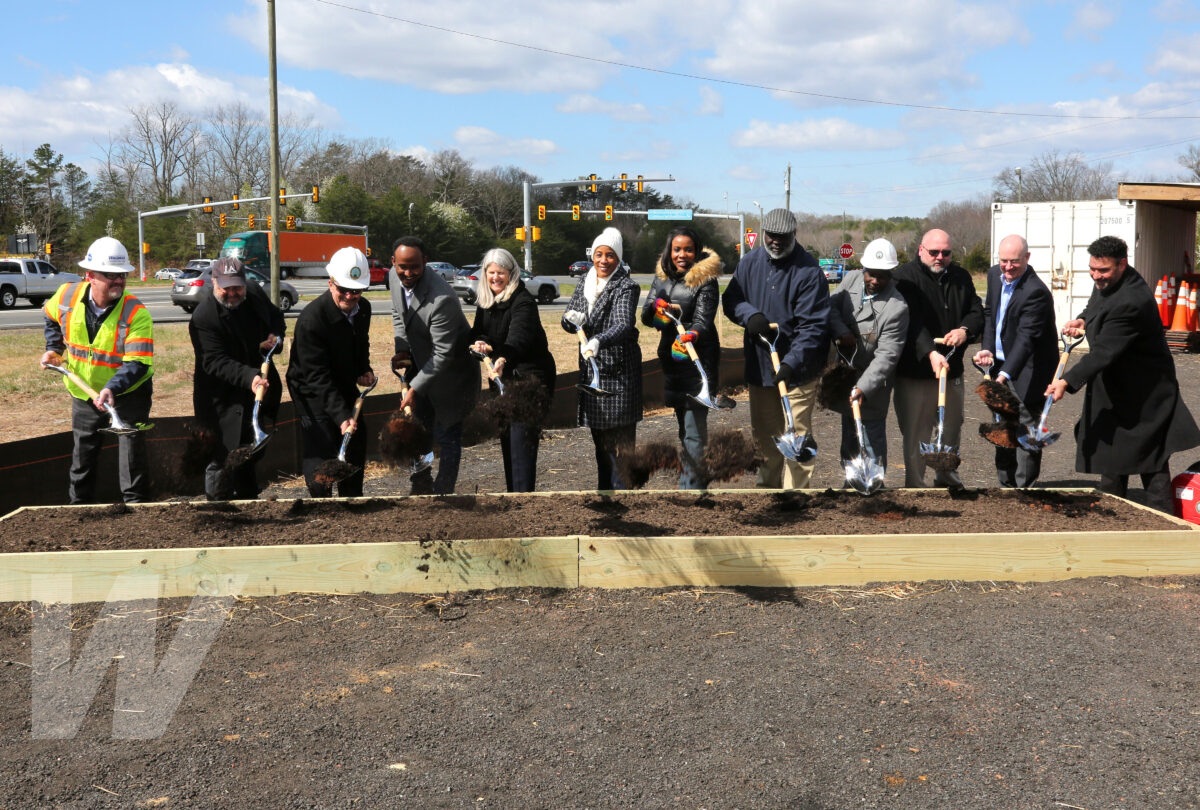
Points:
x=464, y=283
x=443, y=269
x=199, y=264
x=544, y=288
x=579, y=269
x=168, y=274
x=380, y=273
x=833, y=272
x=187, y=289
x=32, y=279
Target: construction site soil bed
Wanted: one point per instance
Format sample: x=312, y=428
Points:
x=643, y=514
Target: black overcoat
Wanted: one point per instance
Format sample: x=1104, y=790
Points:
x=1133, y=418
x=228, y=357
x=612, y=321
x=1028, y=334
x=513, y=328
x=697, y=295
x=329, y=353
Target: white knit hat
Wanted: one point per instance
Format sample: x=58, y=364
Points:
x=610, y=237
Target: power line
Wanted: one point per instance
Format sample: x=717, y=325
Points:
x=749, y=85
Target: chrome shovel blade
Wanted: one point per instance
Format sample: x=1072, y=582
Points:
x=801, y=449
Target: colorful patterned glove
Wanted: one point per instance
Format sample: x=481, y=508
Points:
x=678, y=350
x=661, y=318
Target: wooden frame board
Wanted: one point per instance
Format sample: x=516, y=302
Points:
x=579, y=561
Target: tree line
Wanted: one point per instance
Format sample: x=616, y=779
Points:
x=166, y=156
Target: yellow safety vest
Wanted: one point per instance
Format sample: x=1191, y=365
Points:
x=127, y=334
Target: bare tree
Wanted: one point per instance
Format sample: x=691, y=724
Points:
x=452, y=174
x=498, y=202
x=969, y=222
x=1190, y=160
x=237, y=152
x=1053, y=176
x=161, y=141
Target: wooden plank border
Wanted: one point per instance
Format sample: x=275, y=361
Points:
x=573, y=561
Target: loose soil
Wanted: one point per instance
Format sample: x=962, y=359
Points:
x=1078, y=694
x=646, y=514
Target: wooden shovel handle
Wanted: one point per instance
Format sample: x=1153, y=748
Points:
x=583, y=339
x=262, y=372
x=775, y=364
x=488, y=367
x=1062, y=365
x=75, y=378
x=856, y=410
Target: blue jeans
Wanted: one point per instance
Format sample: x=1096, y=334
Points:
x=448, y=438
x=693, y=436
x=519, y=446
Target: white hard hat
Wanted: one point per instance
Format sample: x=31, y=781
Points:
x=348, y=268
x=107, y=255
x=880, y=255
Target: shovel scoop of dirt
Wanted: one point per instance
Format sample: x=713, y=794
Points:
x=637, y=464
x=403, y=439
x=833, y=391
x=240, y=456
x=197, y=451
x=524, y=402
x=1001, y=434
x=332, y=471
x=999, y=398
x=728, y=455
x=943, y=462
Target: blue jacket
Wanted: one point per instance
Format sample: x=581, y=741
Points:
x=792, y=292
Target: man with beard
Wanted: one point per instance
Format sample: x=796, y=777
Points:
x=1133, y=417
x=105, y=336
x=231, y=330
x=942, y=303
x=780, y=283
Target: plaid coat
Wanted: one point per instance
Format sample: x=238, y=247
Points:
x=613, y=323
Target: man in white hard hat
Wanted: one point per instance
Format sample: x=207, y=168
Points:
x=231, y=330
x=105, y=336
x=1020, y=345
x=869, y=320
x=432, y=339
x=942, y=303
x=330, y=358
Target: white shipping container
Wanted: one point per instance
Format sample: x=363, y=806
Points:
x=1161, y=238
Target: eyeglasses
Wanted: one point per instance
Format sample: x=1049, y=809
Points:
x=945, y=254
x=344, y=291
x=111, y=276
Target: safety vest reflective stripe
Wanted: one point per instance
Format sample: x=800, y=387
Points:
x=96, y=361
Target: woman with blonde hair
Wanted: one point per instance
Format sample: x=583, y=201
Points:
x=508, y=328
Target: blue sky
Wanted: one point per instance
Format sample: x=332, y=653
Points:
x=73, y=68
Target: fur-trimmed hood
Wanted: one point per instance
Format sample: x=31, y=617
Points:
x=708, y=266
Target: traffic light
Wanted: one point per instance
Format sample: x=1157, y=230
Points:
x=624, y=185
x=368, y=253
x=291, y=222
x=520, y=234
x=640, y=185
x=207, y=207
x=49, y=249
x=608, y=212
x=282, y=194
x=221, y=219
x=316, y=194
x=269, y=224
x=574, y=212
x=541, y=212
x=236, y=204
x=145, y=248
x=537, y=233
x=738, y=247
x=250, y=222
x=593, y=186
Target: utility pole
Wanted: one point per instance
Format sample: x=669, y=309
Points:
x=787, y=188
x=274, y=190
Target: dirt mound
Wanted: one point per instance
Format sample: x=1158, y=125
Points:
x=729, y=454
x=524, y=402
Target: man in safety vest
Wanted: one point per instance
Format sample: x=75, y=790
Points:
x=105, y=336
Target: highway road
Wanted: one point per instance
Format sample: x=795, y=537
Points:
x=157, y=298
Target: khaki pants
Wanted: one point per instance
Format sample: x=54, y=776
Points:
x=766, y=422
x=915, y=402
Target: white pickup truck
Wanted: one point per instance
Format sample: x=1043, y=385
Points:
x=32, y=279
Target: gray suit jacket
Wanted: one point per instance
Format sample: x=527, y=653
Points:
x=879, y=327
x=436, y=331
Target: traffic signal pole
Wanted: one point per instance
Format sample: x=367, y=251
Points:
x=527, y=194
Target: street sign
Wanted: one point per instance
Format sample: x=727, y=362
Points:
x=751, y=238
x=669, y=213
x=824, y=262
x=846, y=250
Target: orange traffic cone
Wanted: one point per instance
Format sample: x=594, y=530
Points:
x=1179, y=318
x=1158, y=302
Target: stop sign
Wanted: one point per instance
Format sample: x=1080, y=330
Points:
x=846, y=250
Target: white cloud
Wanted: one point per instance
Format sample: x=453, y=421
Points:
x=827, y=133
x=1180, y=55
x=711, y=102
x=483, y=142
x=1177, y=11
x=421, y=153
x=72, y=113
x=583, y=104
x=1090, y=19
